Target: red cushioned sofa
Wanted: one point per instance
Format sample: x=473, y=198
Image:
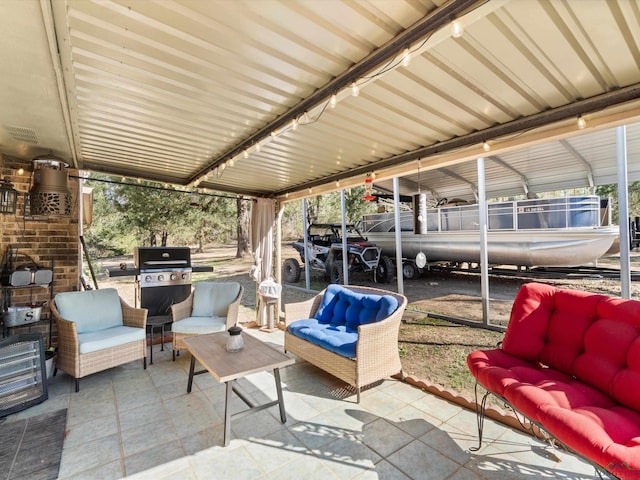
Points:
x=570, y=363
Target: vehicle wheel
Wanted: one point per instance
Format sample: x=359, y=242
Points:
x=291, y=270
x=384, y=272
x=409, y=270
x=336, y=274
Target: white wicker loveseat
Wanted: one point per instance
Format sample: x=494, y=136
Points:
x=97, y=330
x=350, y=332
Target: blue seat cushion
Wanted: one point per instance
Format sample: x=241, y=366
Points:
x=109, y=337
x=343, y=307
x=339, y=339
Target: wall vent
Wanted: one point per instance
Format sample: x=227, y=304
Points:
x=23, y=134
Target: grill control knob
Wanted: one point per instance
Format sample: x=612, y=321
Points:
x=147, y=278
x=173, y=276
x=184, y=276
x=160, y=278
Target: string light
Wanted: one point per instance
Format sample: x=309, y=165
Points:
x=294, y=124
x=406, y=57
x=582, y=123
x=20, y=171
x=456, y=29
x=258, y=147
x=337, y=183
x=246, y=153
x=355, y=90
x=231, y=162
x=485, y=146
x=333, y=101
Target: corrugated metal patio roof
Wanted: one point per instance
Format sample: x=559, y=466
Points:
x=190, y=92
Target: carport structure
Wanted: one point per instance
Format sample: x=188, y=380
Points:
x=258, y=98
x=290, y=98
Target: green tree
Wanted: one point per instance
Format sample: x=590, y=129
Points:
x=633, y=193
x=126, y=215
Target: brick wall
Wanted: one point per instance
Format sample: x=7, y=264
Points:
x=44, y=239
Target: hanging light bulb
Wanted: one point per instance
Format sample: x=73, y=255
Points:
x=456, y=29
x=245, y=154
x=337, y=183
x=20, y=171
x=258, y=147
x=406, y=57
x=355, y=90
x=582, y=123
x=333, y=101
x=485, y=146
x=231, y=162
x=294, y=124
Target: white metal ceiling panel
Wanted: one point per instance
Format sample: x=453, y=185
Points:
x=182, y=91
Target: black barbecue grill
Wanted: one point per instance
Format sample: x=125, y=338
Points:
x=164, y=277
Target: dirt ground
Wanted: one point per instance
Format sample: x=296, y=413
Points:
x=433, y=350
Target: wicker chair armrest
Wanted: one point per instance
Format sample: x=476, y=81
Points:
x=67, y=334
x=182, y=309
x=133, y=317
x=233, y=312
x=374, y=338
x=301, y=310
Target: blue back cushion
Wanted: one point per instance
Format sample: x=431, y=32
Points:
x=343, y=307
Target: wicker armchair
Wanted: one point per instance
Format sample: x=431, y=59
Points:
x=87, y=312
x=211, y=307
x=377, y=353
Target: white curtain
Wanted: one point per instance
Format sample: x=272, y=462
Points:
x=263, y=217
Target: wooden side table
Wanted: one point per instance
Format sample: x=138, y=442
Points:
x=210, y=351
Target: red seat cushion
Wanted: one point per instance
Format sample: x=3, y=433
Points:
x=570, y=361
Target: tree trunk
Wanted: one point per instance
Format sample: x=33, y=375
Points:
x=242, y=209
x=201, y=238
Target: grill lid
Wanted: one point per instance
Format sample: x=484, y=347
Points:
x=162, y=257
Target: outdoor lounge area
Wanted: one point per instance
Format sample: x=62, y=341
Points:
x=243, y=122
x=136, y=423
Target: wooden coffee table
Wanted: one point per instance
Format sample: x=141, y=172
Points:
x=210, y=351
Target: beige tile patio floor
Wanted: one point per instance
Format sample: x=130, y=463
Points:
x=135, y=423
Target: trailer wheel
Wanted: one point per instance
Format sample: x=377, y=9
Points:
x=291, y=270
x=384, y=272
x=409, y=270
